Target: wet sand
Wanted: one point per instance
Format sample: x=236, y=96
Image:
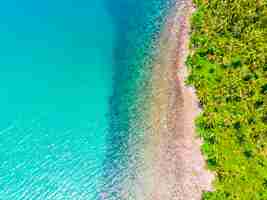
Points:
x=173, y=167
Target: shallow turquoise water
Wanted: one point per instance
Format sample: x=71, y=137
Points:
x=55, y=81
x=68, y=77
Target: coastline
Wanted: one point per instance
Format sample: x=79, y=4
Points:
x=173, y=167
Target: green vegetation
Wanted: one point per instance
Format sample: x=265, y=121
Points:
x=228, y=67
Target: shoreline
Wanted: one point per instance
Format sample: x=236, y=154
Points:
x=173, y=165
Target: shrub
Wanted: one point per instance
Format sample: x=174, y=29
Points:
x=228, y=67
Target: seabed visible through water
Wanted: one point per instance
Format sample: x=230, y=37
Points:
x=90, y=101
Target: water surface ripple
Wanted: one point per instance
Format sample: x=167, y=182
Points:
x=73, y=75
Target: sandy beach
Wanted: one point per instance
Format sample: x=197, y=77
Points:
x=173, y=167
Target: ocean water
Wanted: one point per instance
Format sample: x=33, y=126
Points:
x=138, y=25
x=70, y=74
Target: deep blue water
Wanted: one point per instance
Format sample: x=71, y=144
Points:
x=68, y=79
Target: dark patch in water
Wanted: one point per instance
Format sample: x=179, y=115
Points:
x=138, y=24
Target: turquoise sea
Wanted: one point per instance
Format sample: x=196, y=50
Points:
x=69, y=73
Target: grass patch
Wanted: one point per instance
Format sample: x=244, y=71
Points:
x=228, y=67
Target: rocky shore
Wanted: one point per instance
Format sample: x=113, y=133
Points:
x=173, y=167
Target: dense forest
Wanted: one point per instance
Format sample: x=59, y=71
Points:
x=228, y=68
